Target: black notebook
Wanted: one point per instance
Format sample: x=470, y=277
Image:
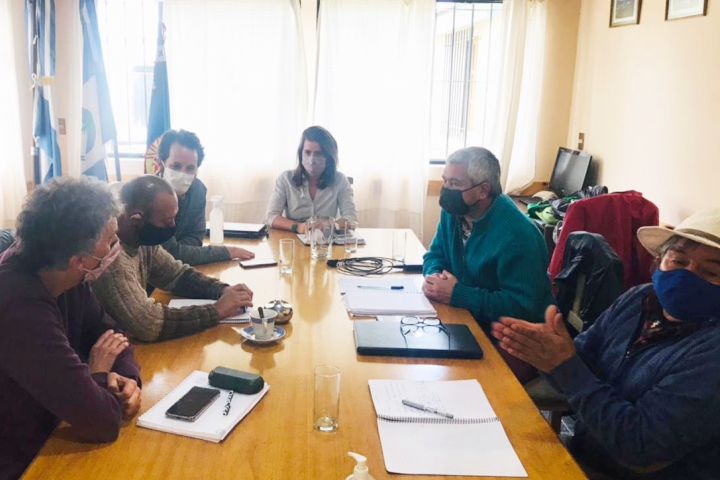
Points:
x=387, y=339
x=242, y=230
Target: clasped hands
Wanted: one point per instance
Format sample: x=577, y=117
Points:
x=102, y=358
x=439, y=286
x=543, y=345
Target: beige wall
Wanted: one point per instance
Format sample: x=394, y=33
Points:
x=647, y=98
x=560, y=45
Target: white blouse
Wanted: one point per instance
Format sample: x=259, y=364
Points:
x=298, y=206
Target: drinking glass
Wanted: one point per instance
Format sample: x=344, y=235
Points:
x=287, y=254
x=321, y=231
x=399, y=241
x=351, y=237
x=327, y=398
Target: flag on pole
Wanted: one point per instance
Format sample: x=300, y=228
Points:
x=98, y=124
x=159, y=115
x=40, y=18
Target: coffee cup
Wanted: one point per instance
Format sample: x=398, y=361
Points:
x=263, y=324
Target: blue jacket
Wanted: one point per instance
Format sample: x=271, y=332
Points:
x=501, y=271
x=658, y=405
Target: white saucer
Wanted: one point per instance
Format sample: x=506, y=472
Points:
x=278, y=333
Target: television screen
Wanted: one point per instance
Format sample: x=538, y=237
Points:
x=571, y=167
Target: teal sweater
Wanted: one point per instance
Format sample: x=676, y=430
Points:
x=501, y=271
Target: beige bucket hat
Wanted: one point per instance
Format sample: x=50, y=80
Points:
x=702, y=227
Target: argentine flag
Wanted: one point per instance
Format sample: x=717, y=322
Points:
x=98, y=124
x=40, y=22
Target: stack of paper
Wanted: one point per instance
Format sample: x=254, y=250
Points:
x=212, y=425
x=241, y=317
x=387, y=302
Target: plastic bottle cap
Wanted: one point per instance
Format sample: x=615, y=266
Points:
x=361, y=469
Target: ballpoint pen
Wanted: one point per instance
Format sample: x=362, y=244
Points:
x=228, y=405
x=377, y=287
x=425, y=408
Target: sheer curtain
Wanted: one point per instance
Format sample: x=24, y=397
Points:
x=12, y=173
x=236, y=73
x=515, y=135
x=374, y=71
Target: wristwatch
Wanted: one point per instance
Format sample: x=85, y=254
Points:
x=293, y=228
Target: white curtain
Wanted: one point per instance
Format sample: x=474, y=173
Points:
x=237, y=78
x=514, y=137
x=374, y=71
x=12, y=173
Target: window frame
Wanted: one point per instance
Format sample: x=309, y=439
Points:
x=443, y=161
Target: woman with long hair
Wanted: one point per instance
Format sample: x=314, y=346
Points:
x=313, y=188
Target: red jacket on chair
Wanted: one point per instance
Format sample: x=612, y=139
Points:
x=617, y=217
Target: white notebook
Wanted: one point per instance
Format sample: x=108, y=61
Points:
x=387, y=302
x=415, y=442
x=212, y=425
x=241, y=317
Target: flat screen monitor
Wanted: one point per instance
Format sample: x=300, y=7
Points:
x=571, y=168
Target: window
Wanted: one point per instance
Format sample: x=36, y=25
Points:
x=465, y=72
x=128, y=32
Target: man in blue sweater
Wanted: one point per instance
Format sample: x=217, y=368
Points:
x=644, y=380
x=486, y=256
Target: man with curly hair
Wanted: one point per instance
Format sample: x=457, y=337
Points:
x=61, y=357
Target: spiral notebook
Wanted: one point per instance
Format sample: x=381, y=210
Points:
x=416, y=442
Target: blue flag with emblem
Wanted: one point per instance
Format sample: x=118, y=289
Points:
x=40, y=23
x=159, y=115
x=98, y=124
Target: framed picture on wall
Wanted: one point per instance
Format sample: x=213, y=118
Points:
x=675, y=9
x=625, y=12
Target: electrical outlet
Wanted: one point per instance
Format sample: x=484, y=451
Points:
x=581, y=141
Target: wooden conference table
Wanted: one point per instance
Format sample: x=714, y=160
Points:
x=277, y=440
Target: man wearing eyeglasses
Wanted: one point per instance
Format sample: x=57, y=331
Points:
x=486, y=256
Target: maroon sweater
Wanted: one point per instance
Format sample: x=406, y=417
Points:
x=45, y=343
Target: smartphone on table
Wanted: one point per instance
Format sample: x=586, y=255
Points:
x=258, y=262
x=193, y=403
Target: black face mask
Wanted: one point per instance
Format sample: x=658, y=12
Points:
x=452, y=201
x=151, y=234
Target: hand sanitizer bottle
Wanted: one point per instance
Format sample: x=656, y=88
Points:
x=361, y=471
x=216, y=221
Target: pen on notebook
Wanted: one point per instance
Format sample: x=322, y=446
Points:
x=378, y=287
x=425, y=408
x=228, y=405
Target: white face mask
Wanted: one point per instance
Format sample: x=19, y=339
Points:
x=179, y=181
x=313, y=168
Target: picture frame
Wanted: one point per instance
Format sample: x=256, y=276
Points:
x=675, y=9
x=625, y=12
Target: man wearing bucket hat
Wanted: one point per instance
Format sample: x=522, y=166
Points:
x=644, y=380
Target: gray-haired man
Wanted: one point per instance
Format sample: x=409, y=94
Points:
x=486, y=256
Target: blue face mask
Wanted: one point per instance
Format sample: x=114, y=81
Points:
x=685, y=295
